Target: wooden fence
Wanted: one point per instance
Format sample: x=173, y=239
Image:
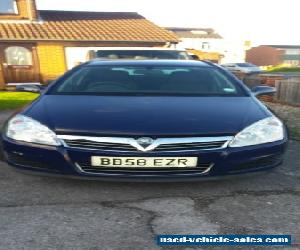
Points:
x=288, y=87
x=288, y=91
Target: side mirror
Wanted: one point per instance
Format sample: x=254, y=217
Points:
x=49, y=82
x=263, y=90
x=194, y=57
x=29, y=88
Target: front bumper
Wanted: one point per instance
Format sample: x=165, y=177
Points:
x=75, y=162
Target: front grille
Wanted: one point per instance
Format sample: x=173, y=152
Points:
x=190, y=146
x=86, y=144
x=158, y=145
x=202, y=168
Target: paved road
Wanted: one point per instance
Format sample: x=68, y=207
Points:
x=4, y=116
x=38, y=213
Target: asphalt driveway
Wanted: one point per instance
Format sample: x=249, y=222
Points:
x=54, y=213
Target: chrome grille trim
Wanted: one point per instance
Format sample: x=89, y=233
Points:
x=120, y=144
x=200, y=170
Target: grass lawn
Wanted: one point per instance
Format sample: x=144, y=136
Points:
x=13, y=100
x=284, y=70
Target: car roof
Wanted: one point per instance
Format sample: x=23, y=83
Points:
x=139, y=48
x=101, y=62
x=237, y=63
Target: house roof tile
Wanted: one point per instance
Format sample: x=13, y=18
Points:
x=194, y=32
x=87, y=26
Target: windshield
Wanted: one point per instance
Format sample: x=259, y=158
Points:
x=147, y=80
x=142, y=54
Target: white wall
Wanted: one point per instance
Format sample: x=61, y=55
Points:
x=233, y=51
x=76, y=55
x=215, y=45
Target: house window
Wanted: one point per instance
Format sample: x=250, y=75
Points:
x=8, y=7
x=292, y=62
x=205, y=45
x=18, y=56
x=292, y=51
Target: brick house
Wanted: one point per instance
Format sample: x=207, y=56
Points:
x=265, y=55
x=36, y=45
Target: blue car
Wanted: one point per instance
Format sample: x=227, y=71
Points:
x=146, y=120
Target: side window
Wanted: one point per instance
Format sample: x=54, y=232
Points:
x=18, y=56
x=8, y=7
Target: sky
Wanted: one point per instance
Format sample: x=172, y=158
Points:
x=260, y=21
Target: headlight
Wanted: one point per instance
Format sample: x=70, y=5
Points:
x=267, y=130
x=23, y=128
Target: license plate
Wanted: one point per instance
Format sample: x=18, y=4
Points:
x=144, y=162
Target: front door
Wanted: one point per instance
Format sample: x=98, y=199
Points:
x=20, y=63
